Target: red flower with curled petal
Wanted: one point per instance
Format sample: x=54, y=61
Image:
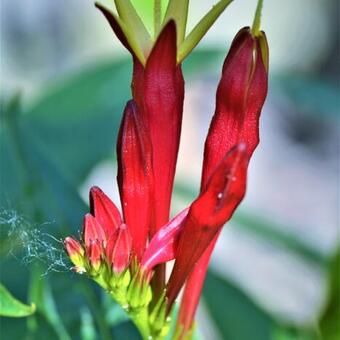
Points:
x=240, y=96
x=207, y=214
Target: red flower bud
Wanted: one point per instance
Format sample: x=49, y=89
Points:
x=118, y=249
x=240, y=96
x=163, y=246
x=207, y=214
x=93, y=231
x=158, y=90
x=73, y=247
x=239, y=99
x=135, y=177
x=94, y=253
x=75, y=252
x=105, y=211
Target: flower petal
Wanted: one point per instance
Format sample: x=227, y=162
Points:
x=162, y=247
x=105, y=211
x=135, y=176
x=208, y=213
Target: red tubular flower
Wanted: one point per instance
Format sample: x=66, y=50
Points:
x=135, y=177
x=158, y=90
x=207, y=215
x=239, y=99
x=240, y=96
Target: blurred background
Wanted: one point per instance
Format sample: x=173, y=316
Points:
x=64, y=82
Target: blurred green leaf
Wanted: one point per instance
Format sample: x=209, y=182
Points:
x=266, y=230
x=31, y=181
x=77, y=120
x=10, y=306
x=234, y=313
x=313, y=96
x=40, y=291
x=329, y=321
x=115, y=314
x=87, y=328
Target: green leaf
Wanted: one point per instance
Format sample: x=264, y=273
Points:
x=234, y=313
x=330, y=316
x=87, y=329
x=40, y=292
x=313, y=96
x=266, y=230
x=10, y=306
x=178, y=11
x=201, y=29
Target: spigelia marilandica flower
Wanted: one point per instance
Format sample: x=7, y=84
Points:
x=158, y=87
x=126, y=254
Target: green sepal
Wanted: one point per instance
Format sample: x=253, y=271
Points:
x=264, y=49
x=178, y=11
x=139, y=293
x=158, y=320
x=257, y=19
x=79, y=263
x=130, y=36
x=134, y=24
x=201, y=29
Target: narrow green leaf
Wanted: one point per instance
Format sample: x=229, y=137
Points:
x=234, y=313
x=87, y=329
x=178, y=11
x=134, y=24
x=10, y=306
x=200, y=29
x=41, y=293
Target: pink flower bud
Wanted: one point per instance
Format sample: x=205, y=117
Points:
x=75, y=252
x=93, y=231
x=94, y=253
x=118, y=249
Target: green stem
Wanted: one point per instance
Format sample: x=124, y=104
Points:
x=140, y=318
x=257, y=19
x=157, y=13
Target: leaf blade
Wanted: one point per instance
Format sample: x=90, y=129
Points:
x=11, y=307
